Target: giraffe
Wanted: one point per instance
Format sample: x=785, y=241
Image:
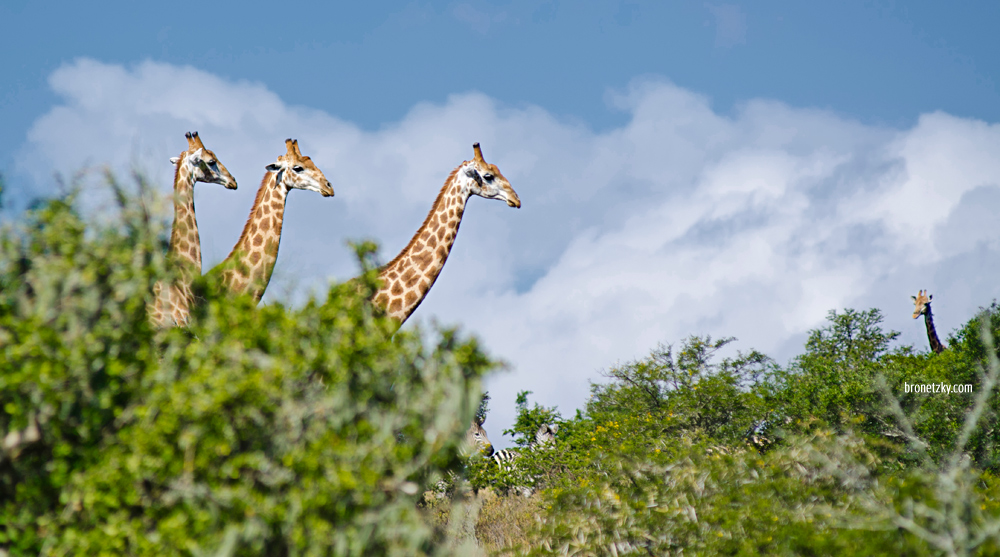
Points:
x=407, y=278
x=172, y=303
x=922, y=301
x=248, y=268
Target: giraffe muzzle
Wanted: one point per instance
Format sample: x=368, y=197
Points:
x=326, y=190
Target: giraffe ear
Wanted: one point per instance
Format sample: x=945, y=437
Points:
x=175, y=160
x=273, y=167
x=930, y=297
x=914, y=298
x=474, y=174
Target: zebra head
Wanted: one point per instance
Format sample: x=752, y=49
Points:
x=476, y=437
x=546, y=434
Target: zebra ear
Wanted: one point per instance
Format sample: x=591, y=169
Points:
x=554, y=428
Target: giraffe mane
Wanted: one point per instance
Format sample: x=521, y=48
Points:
x=177, y=167
x=427, y=219
x=268, y=176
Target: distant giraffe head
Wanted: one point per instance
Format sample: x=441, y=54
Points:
x=922, y=303
x=295, y=171
x=485, y=180
x=201, y=164
x=475, y=437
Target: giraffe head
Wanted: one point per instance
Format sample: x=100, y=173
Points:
x=485, y=180
x=922, y=301
x=475, y=437
x=299, y=172
x=202, y=163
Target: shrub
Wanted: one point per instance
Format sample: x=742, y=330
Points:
x=271, y=430
x=654, y=465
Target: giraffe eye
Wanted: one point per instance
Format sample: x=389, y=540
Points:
x=211, y=163
x=488, y=177
x=298, y=168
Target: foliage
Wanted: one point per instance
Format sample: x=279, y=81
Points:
x=665, y=393
x=484, y=408
x=311, y=430
x=269, y=430
x=833, y=382
x=530, y=419
x=684, y=453
x=504, y=523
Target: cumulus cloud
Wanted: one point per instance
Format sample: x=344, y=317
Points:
x=681, y=221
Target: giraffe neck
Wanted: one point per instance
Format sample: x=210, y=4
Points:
x=249, y=266
x=172, y=301
x=932, y=336
x=185, y=242
x=407, y=278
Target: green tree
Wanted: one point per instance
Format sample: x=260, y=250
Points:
x=689, y=391
x=529, y=419
x=833, y=382
x=272, y=430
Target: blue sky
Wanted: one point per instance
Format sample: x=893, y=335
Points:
x=369, y=62
x=686, y=167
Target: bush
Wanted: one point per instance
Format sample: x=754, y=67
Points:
x=659, y=460
x=270, y=430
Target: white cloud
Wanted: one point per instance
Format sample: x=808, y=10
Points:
x=682, y=221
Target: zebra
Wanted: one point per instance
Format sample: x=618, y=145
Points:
x=506, y=459
x=476, y=438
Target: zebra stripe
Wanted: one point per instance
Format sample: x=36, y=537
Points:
x=506, y=459
x=476, y=438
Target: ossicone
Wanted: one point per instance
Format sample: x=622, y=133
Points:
x=194, y=142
